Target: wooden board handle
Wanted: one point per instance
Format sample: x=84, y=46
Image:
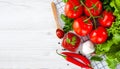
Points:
x=54, y=9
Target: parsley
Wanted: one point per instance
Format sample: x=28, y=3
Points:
x=72, y=41
x=68, y=23
x=68, y=40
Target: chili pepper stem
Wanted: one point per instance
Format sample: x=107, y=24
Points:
x=90, y=65
x=60, y=54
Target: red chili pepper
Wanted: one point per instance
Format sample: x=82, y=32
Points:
x=74, y=61
x=82, y=58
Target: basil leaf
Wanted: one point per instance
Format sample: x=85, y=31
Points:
x=96, y=58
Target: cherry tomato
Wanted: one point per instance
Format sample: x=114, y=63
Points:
x=107, y=19
x=82, y=27
x=95, y=7
x=99, y=35
x=71, y=42
x=73, y=9
x=60, y=33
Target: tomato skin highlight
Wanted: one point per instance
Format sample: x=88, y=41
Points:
x=99, y=35
x=107, y=19
x=95, y=11
x=70, y=10
x=69, y=46
x=82, y=28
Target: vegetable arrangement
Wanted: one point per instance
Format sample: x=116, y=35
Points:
x=97, y=19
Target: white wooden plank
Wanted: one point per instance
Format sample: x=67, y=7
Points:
x=25, y=15
x=24, y=49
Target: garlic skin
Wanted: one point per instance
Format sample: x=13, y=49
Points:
x=87, y=48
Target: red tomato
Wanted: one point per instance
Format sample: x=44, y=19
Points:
x=81, y=27
x=107, y=19
x=95, y=7
x=60, y=33
x=73, y=9
x=99, y=35
x=71, y=42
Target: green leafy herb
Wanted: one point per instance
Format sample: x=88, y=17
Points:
x=73, y=41
x=68, y=40
x=112, y=63
x=96, y=58
x=116, y=5
x=106, y=5
x=63, y=17
x=74, y=38
x=64, y=1
x=68, y=23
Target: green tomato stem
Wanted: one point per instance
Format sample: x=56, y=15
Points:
x=87, y=19
x=89, y=13
x=93, y=6
x=97, y=16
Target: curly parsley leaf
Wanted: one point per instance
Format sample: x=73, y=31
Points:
x=68, y=23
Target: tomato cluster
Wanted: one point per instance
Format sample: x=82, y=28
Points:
x=89, y=19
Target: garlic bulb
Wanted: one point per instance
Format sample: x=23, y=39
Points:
x=87, y=48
